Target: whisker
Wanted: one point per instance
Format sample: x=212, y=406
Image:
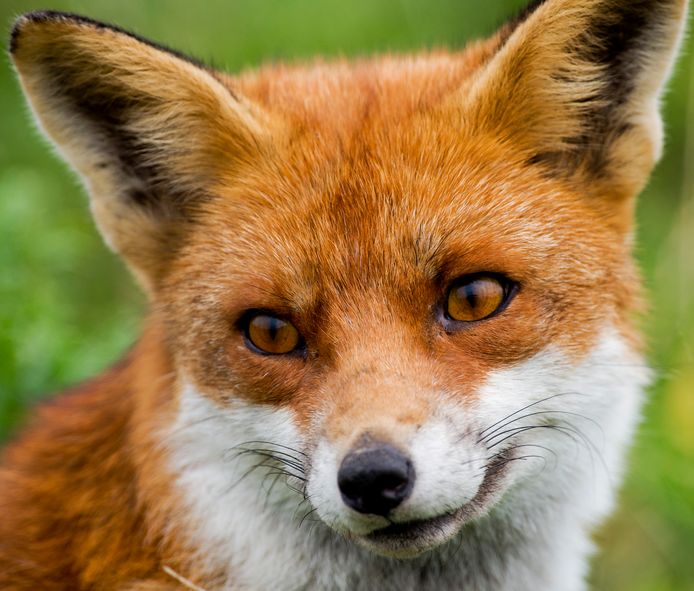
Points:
x=306, y=515
x=499, y=465
x=268, y=454
x=542, y=412
x=286, y=473
x=518, y=430
x=482, y=433
x=569, y=430
x=285, y=447
x=268, y=492
x=246, y=474
x=242, y=449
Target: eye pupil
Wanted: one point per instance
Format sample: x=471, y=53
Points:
x=470, y=295
x=273, y=329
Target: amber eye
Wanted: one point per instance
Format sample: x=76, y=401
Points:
x=476, y=298
x=272, y=335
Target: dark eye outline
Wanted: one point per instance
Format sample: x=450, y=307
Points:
x=510, y=288
x=243, y=325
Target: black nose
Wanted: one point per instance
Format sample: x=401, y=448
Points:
x=375, y=479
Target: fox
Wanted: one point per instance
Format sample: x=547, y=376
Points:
x=392, y=337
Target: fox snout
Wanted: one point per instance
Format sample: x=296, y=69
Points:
x=394, y=461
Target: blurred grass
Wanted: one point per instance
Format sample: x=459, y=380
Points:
x=68, y=309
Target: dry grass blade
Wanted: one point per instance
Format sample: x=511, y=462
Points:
x=181, y=579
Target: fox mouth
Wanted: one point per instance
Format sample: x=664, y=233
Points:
x=412, y=538
x=409, y=539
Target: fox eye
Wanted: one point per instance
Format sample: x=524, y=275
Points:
x=272, y=335
x=477, y=297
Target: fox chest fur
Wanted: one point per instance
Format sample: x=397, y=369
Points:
x=391, y=342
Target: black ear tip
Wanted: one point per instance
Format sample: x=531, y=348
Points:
x=19, y=24
x=39, y=16
x=52, y=16
x=14, y=34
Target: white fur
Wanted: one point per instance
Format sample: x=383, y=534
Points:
x=448, y=467
x=534, y=536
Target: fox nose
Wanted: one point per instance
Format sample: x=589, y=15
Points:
x=375, y=479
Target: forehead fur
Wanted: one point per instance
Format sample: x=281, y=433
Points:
x=377, y=178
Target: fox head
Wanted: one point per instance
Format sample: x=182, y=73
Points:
x=402, y=285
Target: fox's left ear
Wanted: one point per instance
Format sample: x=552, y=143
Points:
x=150, y=131
x=575, y=88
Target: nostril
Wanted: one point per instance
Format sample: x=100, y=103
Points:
x=375, y=480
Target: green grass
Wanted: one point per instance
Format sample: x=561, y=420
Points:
x=68, y=308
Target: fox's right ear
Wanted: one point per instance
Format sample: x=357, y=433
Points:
x=575, y=89
x=148, y=129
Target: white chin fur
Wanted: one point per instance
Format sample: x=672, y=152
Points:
x=531, y=533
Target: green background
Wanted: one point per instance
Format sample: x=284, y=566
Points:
x=68, y=308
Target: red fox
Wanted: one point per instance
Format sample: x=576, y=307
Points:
x=391, y=339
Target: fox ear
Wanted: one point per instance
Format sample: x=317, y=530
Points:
x=148, y=129
x=575, y=88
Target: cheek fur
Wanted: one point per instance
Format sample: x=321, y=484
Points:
x=221, y=456
x=565, y=423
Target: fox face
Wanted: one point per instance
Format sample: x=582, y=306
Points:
x=436, y=351
x=394, y=298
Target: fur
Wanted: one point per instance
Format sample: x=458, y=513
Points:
x=348, y=197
